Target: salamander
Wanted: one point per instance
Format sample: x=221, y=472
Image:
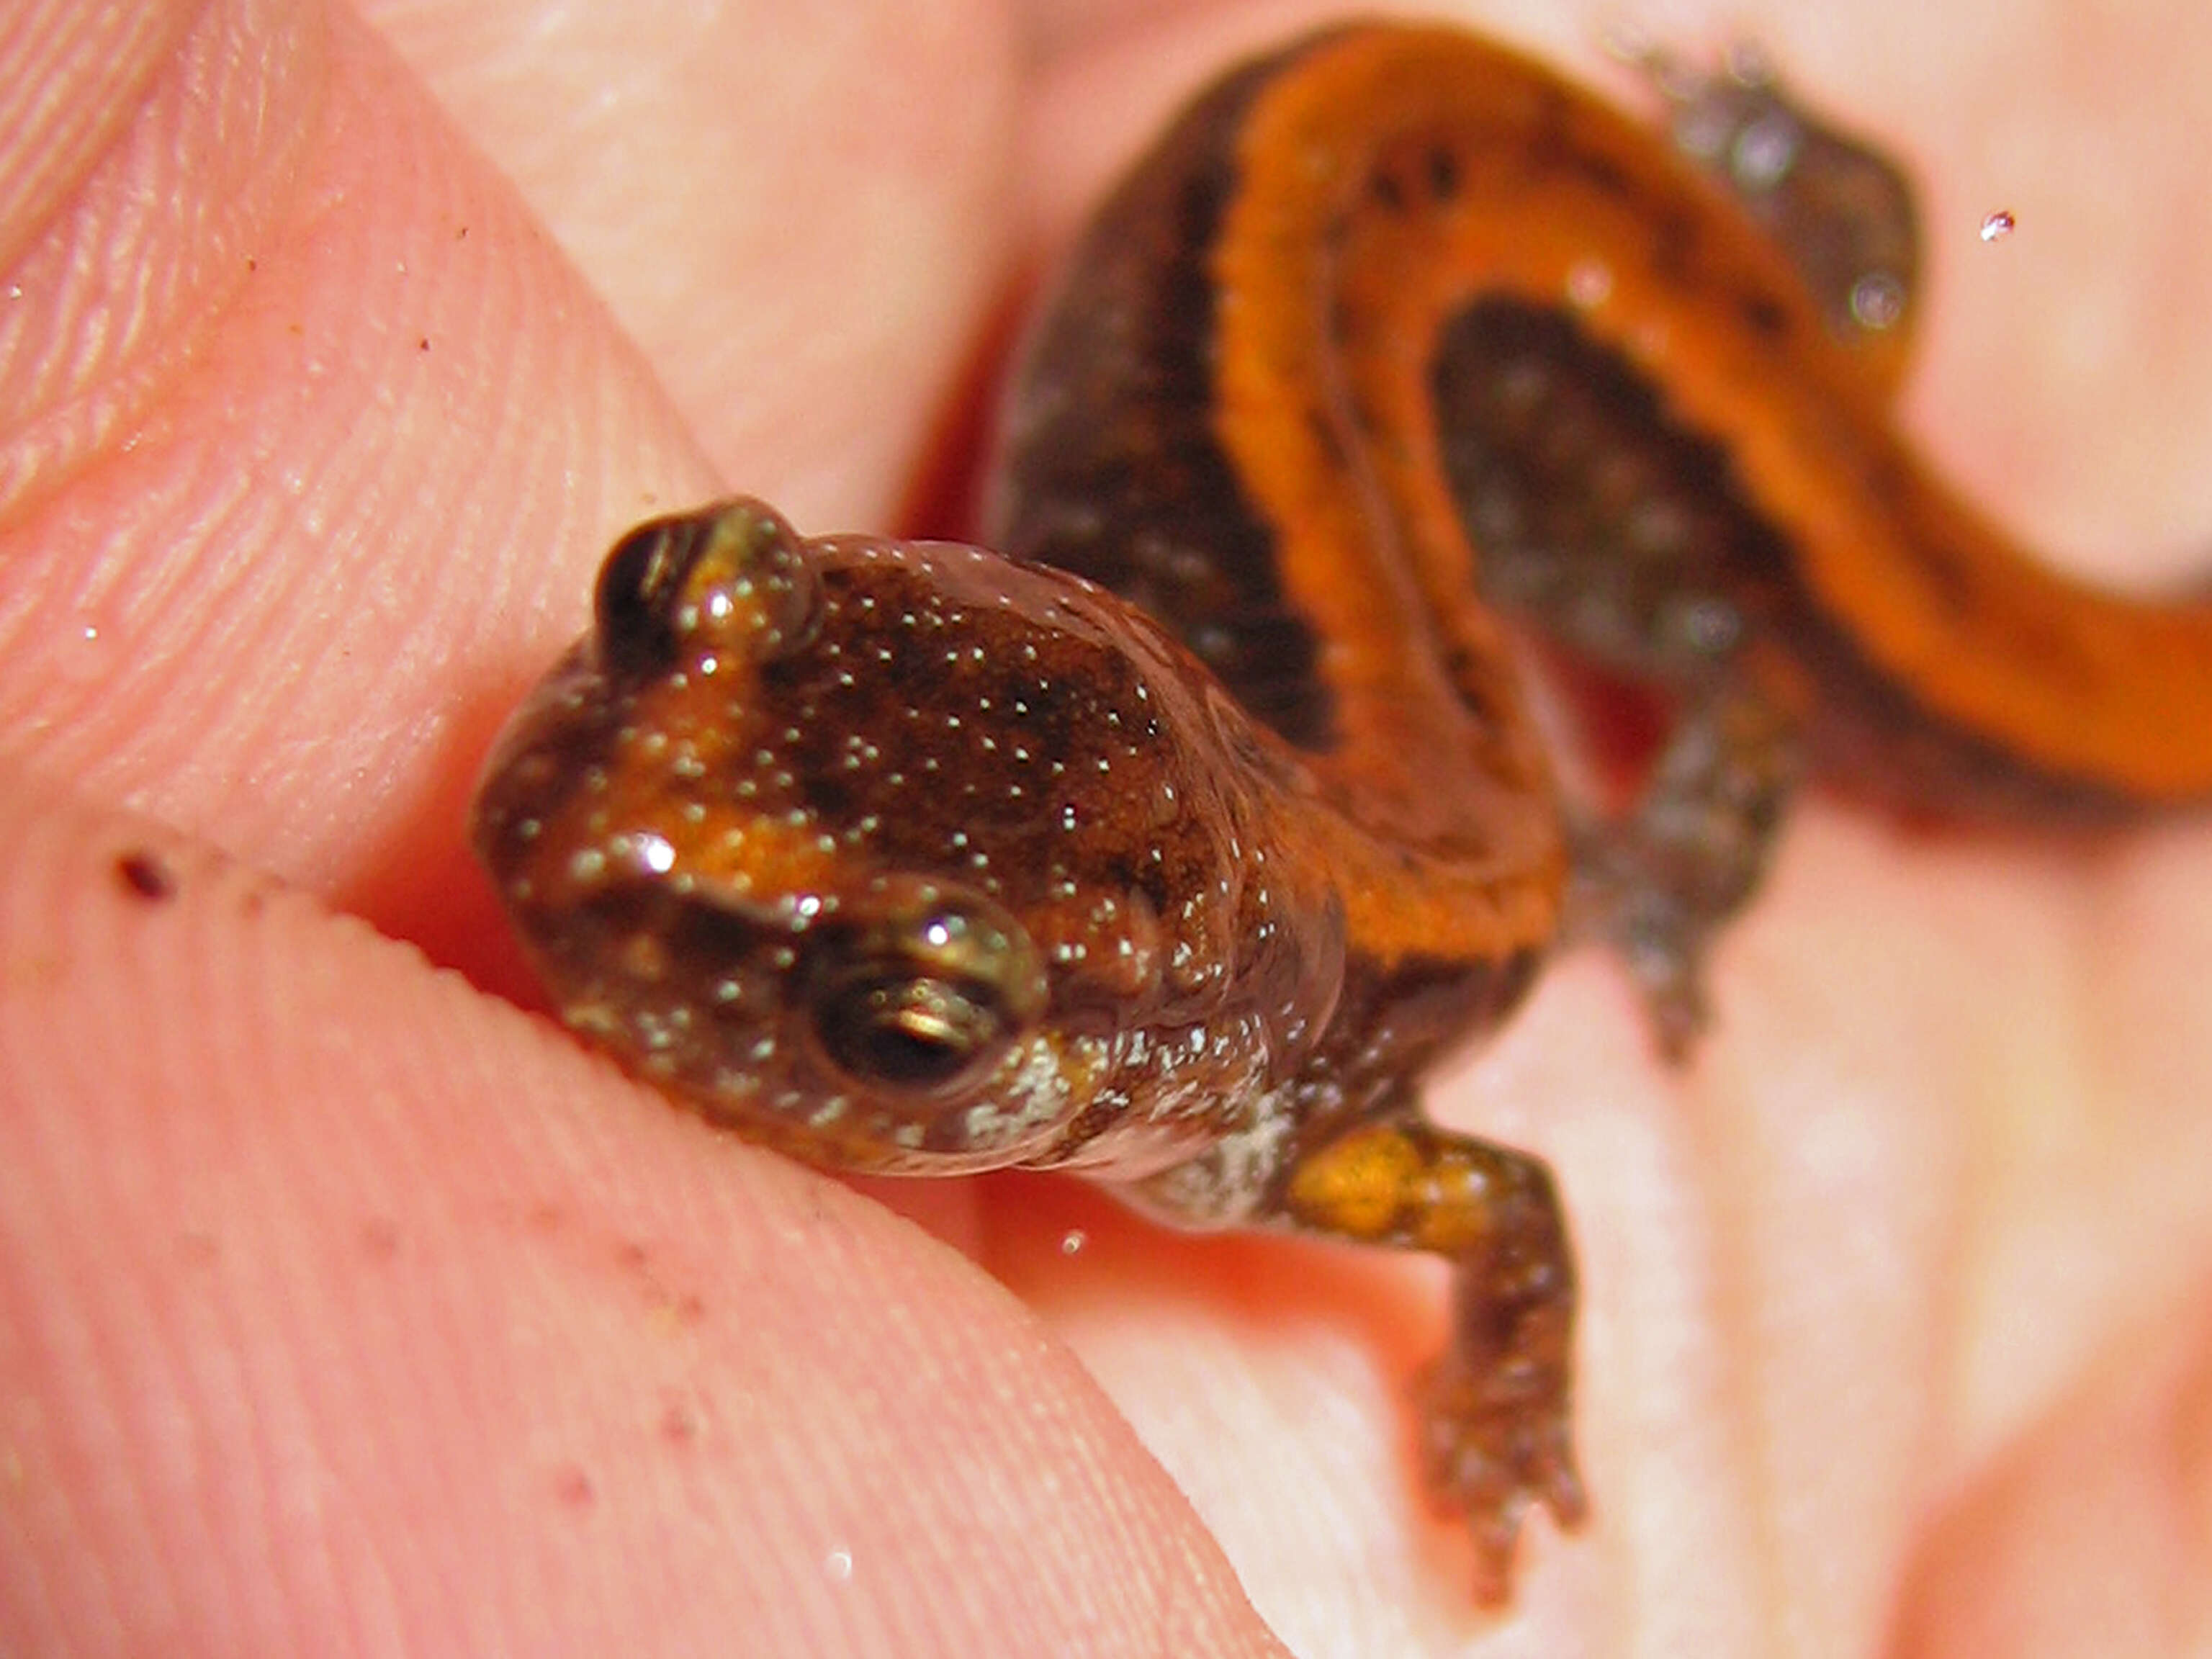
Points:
x=1172, y=840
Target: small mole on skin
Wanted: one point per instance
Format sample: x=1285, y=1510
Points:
x=143, y=875
x=573, y=1488
x=690, y=1309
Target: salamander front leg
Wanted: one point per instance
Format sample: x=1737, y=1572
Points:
x=1496, y=1435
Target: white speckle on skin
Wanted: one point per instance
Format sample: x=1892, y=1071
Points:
x=1031, y=1096
x=1225, y=1183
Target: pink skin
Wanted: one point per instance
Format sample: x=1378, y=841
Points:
x=344, y=1309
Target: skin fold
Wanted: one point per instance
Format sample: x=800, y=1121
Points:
x=342, y=1309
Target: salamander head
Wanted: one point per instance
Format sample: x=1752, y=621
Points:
x=880, y=852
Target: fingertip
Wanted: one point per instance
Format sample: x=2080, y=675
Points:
x=329, y=1282
x=313, y=438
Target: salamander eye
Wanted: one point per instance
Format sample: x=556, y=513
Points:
x=734, y=569
x=926, y=998
x=639, y=584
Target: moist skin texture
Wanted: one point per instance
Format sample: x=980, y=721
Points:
x=1175, y=846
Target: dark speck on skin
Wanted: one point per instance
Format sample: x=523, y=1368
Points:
x=143, y=875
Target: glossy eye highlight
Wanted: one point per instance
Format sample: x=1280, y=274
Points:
x=731, y=573
x=639, y=586
x=927, y=997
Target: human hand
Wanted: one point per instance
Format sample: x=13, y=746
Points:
x=339, y=1304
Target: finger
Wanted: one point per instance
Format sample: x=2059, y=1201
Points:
x=2088, y=1535
x=312, y=441
x=333, y=1294
x=800, y=215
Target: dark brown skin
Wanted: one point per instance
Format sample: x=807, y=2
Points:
x=907, y=859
